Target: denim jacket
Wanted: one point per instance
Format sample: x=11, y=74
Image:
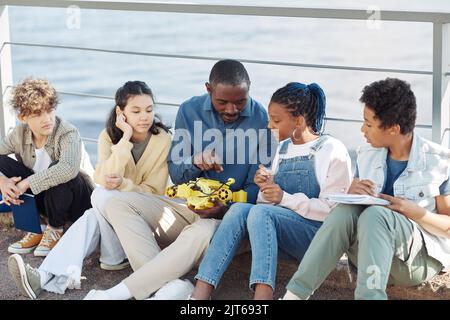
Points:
x=428, y=167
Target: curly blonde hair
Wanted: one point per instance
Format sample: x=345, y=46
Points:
x=33, y=96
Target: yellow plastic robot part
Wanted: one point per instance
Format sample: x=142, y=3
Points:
x=240, y=196
x=200, y=193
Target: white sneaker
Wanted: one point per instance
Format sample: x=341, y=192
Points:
x=174, y=290
x=115, y=267
x=290, y=296
x=97, y=295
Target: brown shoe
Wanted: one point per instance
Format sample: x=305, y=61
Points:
x=27, y=244
x=49, y=240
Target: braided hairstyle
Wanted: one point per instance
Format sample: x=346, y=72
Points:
x=303, y=100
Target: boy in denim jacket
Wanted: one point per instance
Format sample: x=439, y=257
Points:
x=404, y=243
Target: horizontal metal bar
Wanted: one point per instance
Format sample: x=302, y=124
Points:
x=265, y=62
x=423, y=126
x=87, y=95
x=89, y=140
x=267, y=11
x=96, y=140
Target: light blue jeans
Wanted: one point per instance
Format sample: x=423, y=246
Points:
x=268, y=228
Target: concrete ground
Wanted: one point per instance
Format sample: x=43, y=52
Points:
x=234, y=285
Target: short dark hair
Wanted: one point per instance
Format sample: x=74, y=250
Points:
x=393, y=102
x=128, y=90
x=230, y=72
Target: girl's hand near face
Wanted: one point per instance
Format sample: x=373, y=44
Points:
x=272, y=192
x=113, y=181
x=122, y=124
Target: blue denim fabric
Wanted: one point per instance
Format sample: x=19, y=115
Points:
x=427, y=169
x=272, y=227
x=267, y=226
x=225, y=243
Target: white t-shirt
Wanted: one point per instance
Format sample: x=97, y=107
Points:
x=332, y=166
x=43, y=160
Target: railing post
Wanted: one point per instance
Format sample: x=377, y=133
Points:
x=7, y=118
x=441, y=83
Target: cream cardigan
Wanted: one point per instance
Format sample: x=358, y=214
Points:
x=149, y=174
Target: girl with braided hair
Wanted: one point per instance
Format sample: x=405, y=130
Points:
x=291, y=203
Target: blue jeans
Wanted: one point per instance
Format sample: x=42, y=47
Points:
x=268, y=228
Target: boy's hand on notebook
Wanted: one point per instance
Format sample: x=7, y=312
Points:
x=406, y=207
x=10, y=190
x=362, y=187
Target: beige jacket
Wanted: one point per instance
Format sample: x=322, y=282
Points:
x=149, y=174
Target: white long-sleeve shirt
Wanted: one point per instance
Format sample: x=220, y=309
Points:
x=333, y=172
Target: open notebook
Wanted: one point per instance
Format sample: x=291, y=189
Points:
x=357, y=199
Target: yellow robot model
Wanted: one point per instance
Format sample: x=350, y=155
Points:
x=200, y=193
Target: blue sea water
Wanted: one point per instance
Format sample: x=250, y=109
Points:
x=317, y=41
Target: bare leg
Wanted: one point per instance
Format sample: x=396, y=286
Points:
x=202, y=290
x=263, y=292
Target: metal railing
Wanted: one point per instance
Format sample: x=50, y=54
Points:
x=440, y=64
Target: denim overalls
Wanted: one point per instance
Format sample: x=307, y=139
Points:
x=298, y=174
x=267, y=226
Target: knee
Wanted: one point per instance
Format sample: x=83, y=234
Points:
x=89, y=215
x=260, y=213
x=343, y=214
x=4, y=159
x=99, y=198
x=237, y=213
x=238, y=209
x=372, y=218
x=201, y=231
x=89, y=218
x=115, y=209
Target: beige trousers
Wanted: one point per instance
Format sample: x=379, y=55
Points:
x=162, y=238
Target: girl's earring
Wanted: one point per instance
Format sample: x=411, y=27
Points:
x=294, y=137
